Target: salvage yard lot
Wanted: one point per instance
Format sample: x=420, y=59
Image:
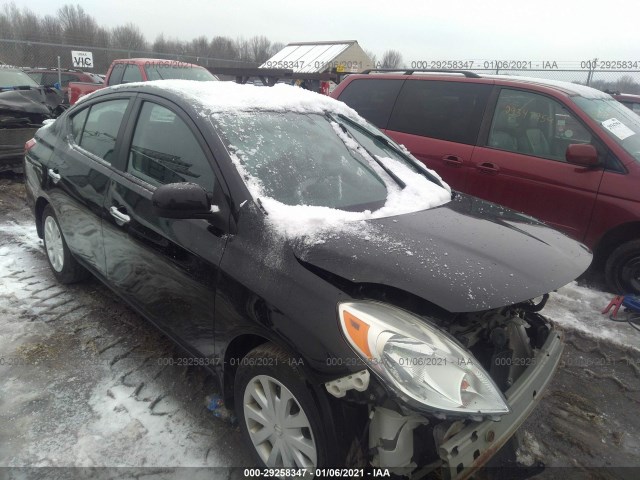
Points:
x=85, y=381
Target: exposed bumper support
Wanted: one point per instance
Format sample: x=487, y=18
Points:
x=478, y=442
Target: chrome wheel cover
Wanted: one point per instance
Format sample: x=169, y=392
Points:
x=53, y=242
x=278, y=427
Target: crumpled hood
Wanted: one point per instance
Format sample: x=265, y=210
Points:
x=468, y=255
x=35, y=104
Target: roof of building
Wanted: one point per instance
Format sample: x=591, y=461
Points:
x=308, y=57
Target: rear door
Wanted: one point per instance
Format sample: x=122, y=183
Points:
x=167, y=268
x=439, y=122
x=521, y=162
x=78, y=175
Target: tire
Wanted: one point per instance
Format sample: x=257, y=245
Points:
x=305, y=440
x=622, y=269
x=65, y=268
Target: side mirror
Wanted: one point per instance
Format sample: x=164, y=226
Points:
x=182, y=200
x=583, y=154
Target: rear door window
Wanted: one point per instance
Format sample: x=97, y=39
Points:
x=372, y=98
x=165, y=150
x=449, y=111
x=101, y=128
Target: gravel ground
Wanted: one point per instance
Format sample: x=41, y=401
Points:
x=83, y=381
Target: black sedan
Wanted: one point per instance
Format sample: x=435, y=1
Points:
x=355, y=310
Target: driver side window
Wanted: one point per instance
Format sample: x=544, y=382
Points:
x=533, y=124
x=165, y=150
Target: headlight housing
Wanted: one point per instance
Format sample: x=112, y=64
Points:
x=418, y=360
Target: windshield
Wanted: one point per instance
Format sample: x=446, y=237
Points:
x=181, y=71
x=15, y=78
x=620, y=123
x=298, y=159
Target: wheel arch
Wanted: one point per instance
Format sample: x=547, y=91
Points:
x=237, y=348
x=41, y=204
x=613, y=238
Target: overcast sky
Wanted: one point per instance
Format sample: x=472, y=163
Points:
x=446, y=30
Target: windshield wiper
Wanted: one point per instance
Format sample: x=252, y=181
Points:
x=387, y=170
x=391, y=146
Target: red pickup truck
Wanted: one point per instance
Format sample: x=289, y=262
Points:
x=130, y=70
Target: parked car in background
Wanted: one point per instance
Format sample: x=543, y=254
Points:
x=131, y=70
x=24, y=106
x=48, y=77
x=628, y=100
x=561, y=152
x=354, y=310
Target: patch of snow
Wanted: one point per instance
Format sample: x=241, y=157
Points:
x=578, y=308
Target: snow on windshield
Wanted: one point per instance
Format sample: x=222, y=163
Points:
x=220, y=100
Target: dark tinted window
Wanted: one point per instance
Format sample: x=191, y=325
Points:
x=115, y=77
x=444, y=110
x=101, y=129
x=372, y=98
x=131, y=74
x=164, y=150
x=77, y=124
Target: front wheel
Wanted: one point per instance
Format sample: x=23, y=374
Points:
x=278, y=414
x=622, y=269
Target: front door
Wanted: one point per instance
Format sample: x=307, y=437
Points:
x=522, y=163
x=167, y=268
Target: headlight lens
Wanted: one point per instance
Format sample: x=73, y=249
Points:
x=419, y=360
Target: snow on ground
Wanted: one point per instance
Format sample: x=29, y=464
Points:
x=578, y=308
x=82, y=379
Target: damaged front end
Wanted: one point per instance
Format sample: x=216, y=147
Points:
x=445, y=402
x=23, y=111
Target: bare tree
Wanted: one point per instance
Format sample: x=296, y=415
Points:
x=199, y=47
x=223, y=47
x=78, y=27
x=243, y=50
x=373, y=57
x=260, y=46
x=391, y=59
x=128, y=37
x=275, y=48
x=626, y=84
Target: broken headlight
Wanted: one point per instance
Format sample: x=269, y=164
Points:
x=419, y=360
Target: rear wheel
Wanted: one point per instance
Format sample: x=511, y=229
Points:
x=278, y=414
x=65, y=268
x=622, y=269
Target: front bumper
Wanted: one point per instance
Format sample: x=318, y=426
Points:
x=471, y=448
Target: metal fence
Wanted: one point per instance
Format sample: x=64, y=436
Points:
x=604, y=75
x=23, y=53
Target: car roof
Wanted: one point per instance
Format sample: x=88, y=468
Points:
x=208, y=97
x=159, y=61
x=626, y=96
x=567, y=88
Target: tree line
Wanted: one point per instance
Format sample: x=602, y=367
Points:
x=72, y=25
x=25, y=33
